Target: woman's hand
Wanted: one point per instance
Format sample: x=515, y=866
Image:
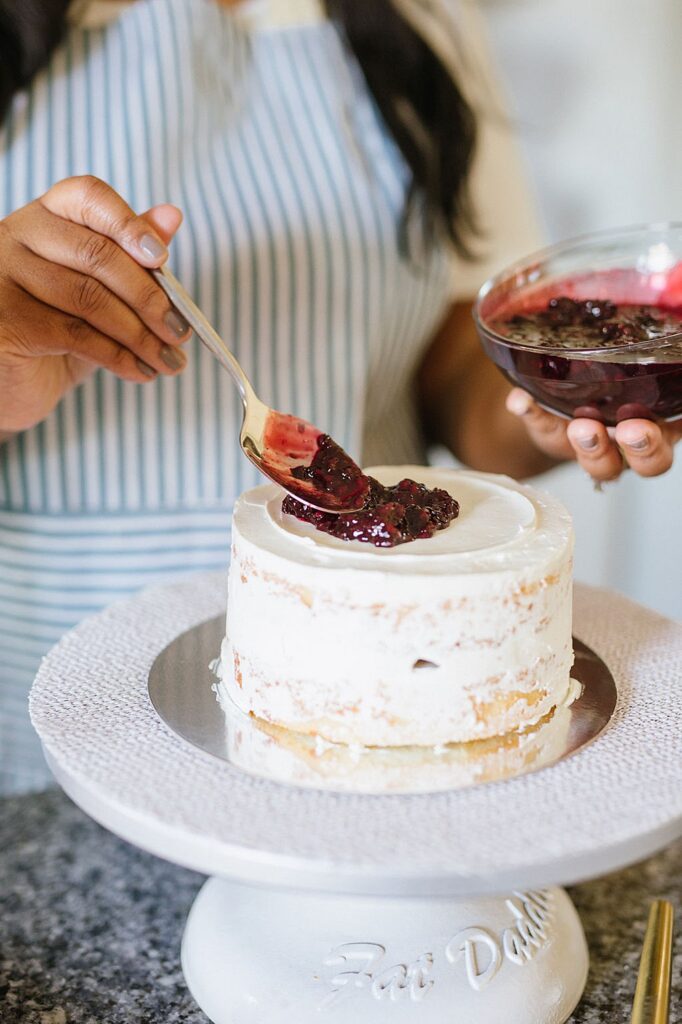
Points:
x=75, y=295
x=644, y=446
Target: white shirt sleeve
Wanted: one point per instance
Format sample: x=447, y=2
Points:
x=501, y=192
x=502, y=198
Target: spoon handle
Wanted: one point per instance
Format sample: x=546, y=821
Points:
x=198, y=322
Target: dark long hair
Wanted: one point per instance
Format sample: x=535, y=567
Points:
x=420, y=102
x=29, y=32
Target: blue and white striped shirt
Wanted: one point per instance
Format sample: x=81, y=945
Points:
x=292, y=192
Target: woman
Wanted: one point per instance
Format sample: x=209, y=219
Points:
x=321, y=157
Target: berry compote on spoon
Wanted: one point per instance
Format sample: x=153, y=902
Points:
x=290, y=451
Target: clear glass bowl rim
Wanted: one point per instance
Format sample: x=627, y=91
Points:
x=557, y=248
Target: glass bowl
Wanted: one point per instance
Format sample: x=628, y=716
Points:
x=610, y=382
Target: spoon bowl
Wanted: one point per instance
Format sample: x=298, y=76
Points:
x=291, y=452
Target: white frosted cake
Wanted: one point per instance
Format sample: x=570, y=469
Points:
x=458, y=637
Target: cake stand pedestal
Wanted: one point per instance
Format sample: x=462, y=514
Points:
x=283, y=957
x=427, y=908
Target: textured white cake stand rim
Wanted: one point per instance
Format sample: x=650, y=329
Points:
x=615, y=802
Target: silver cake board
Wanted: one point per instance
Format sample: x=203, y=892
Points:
x=182, y=689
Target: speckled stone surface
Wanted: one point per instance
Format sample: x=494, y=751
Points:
x=90, y=927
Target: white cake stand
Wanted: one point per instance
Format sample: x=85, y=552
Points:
x=329, y=906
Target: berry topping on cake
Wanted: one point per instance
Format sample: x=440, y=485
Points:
x=390, y=516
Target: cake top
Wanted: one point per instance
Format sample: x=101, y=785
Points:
x=391, y=514
x=502, y=525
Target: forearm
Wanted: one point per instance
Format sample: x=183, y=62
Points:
x=462, y=396
x=474, y=424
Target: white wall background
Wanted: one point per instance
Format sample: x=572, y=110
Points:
x=595, y=88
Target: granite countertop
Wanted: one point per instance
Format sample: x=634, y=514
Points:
x=90, y=926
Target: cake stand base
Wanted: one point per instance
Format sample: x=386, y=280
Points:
x=403, y=940
x=255, y=955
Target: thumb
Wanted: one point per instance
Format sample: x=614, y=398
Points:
x=165, y=219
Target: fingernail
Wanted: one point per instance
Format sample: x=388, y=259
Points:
x=589, y=443
x=519, y=404
x=148, y=371
x=176, y=322
x=640, y=445
x=174, y=358
x=152, y=248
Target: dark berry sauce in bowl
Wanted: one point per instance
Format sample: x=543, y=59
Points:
x=593, y=327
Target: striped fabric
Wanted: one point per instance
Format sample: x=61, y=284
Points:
x=292, y=193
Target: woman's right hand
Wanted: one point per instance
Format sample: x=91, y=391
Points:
x=75, y=295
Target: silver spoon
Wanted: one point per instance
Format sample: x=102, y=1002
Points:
x=290, y=451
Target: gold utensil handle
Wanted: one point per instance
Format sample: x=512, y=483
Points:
x=652, y=995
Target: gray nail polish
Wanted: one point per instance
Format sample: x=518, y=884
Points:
x=588, y=444
x=148, y=371
x=174, y=358
x=176, y=322
x=640, y=445
x=151, y=247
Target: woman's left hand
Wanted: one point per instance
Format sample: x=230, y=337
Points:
x=604, y=452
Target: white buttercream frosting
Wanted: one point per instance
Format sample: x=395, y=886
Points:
x=458, y=637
